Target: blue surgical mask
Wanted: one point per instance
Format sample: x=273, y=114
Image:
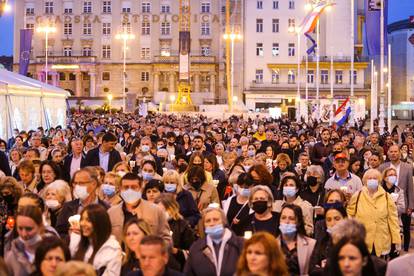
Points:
x=244, y=192
x=372, y=184
x=289, y=191
x=170, y=187
x=287, y=228
x=392, y=179
x=147, y=176
x=215, y=232
x=108, y=189
x=145, y=148
x=251, y=153
x=246, y=168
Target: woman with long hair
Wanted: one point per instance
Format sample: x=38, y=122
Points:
x=49, y=172
x=211, y=165
x=262, y=255
x=95, y=244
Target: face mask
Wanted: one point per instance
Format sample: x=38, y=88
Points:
x=196, y=184
x=170, y=187
x=392, y=179
x=251, y=153
x=9, y=199
x=130, y=196
x=246, y=168
x=289, y=191
x=32, y=241
x=182, y=168
x=245, y=192
x=80, y=192
x=329, y=230
x=52, y=204
x=147, y=176
x=133, y=133
x=159, y=147
x=145, y=148
x=372, y=184
x=312, y=181
x=287, y=228
x=121, y=173
x=177, y=133
x=215, y=232
x=260, y=206
x=336, y=152
x=108, y=189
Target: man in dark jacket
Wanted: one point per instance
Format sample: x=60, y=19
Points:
x=322, y=149
x=4, y=164
x=73, y=161
x=105, y=155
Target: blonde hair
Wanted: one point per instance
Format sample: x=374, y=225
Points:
x=283, y=157
x=171, y=205
x=371, y=172
x=115, y=176
x=117, y=165
x=75, y=268
x=172, y=174
x=386, y=171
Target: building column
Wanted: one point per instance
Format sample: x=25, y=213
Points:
x=197, y=82
x=156, y=82
x=55, y=78
x=213, y=83
x=78, y=92
x=92, y=85
x=171, y=87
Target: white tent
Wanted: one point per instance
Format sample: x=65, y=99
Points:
x=26, y=103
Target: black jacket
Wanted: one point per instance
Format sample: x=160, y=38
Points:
x=67, y=162
x=92, y=159
x=4, y=164
x=188, y=207
x=167, y=272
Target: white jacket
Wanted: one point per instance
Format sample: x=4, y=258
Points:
x=109, y=255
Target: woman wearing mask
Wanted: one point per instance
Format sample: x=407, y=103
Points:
x=237, y=207
x=397, y=194
x=263, y=219
x=10, y=192
x=29, y=224
x=55, y=195
x=375, y=208
x=186, y=143
x=188, y=207
x=314, y=191
x=50, y=253
x=95, y=244
x=296, y=246
x=121, y=168
x=110, y=189
x=217, y=253
x=149, y=171
x=290, y=187
x=263, y=256
x=182, y=234
x=211, y=166
x=134, y=230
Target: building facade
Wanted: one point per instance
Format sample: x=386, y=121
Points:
x=85, y=57
x=272, y=46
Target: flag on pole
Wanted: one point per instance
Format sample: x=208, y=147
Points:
x=343, y=112
x=25, y=47
x=372, y=26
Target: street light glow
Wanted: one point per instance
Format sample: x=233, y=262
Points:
x=172, y=98
x=291, y=29
x=125, y=36
x=46, y=29
x=7, y=8
x=110, y=97
x=308, y=6
x=385, y=70
x=225, y=36
x=235, y=99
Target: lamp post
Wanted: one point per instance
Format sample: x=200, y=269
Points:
x=110, y=97
x=46, y=30
x=232, y=37
x=124, y=36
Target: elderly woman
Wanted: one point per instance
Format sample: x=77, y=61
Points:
x=389, y=180
x=26, y=171
x=110, y=188
x=55, y=194
x=216, y=253
x=375, y=208
x=283, y=164
x=10, y=192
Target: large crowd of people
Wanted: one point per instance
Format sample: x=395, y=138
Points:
x=189, y=195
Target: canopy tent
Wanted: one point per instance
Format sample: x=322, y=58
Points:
x=26, y=103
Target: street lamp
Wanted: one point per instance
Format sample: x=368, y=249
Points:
x=124, y=36
x=232, y=37
x=46, y=30
x=110, y=97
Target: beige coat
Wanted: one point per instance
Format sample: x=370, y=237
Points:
x=305, y=246
x=207, y=194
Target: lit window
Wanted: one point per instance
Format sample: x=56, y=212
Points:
x=275, y=49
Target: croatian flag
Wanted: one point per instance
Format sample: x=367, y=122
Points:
x=342, y=113
x=310, y=21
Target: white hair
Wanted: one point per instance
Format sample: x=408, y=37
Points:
x=62, y=189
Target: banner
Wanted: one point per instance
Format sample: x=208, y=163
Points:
x=372, y=26
x=184, y=68
x=25, y=47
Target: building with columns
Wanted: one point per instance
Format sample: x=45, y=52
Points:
x=85, y=58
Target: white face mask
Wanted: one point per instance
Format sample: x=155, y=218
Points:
x=32, y=241
x=52, y=204
x=130, y=196
x=121, y=173
x=80, y=192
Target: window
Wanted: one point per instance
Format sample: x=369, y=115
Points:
x=67, y=51
x=291, y=4
x=275, y=4
x=291, y=49
x=126, y=7
x=205, y=28
x=338, y=76
x=355, y=76
x=275, y=76
x=30, y=26
x=29, y=10
x=275, y=49
x=165, y=8
x=126, y=27
x=275, y=25
x=144, y=76
x=145, y=53
x=106, y=76
x=259, y=75
x=259, y=49
x=324, y=77
x=87, y=51
x=48, y=7
x=62, y=76
x=205, y=7
x=106, y=6
x=67, y=28
x=259, y=4
x=291, y=76
x=259, y=25
x=145, y=28
x=106, y=51
x=87, y=7
x=291, y=23
x=87, y=28
x=311, y=76
x=146, y=7
x=67, y=7
x=165, y=28
x=72, y=76
x=165, y=50
x=106, y=28
x=205, y=51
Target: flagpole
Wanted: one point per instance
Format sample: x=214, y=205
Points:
x=351, y=119
x=371, y=128
x=389, y=89
x=298, y=111
x=382, y=108
x=306, y=87
x=332, y=87
x=317, y=69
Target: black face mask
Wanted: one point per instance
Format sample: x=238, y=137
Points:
x=336, y=152
x=196, y=184
x=162, y=159
x=9, y=199
x=182, y=168
x=312, y=181
x=260, y=206
x=171, y=144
